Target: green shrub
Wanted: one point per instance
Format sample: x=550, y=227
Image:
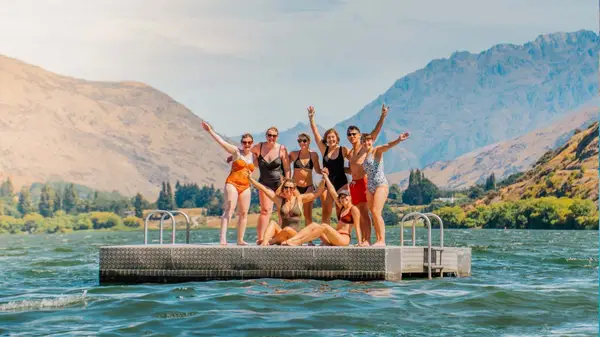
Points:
x=105, y=220
x=133, y=222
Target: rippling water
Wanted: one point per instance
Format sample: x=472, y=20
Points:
x=524, y=283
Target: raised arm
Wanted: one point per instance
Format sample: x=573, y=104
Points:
x=382, y=148
x=267, y=191
x=228, y=147
x=315, y=130
x=375, y=132
x=311, y=196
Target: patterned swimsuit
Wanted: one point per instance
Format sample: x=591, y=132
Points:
x=375, y=175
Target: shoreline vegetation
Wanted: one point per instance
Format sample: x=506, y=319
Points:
x=63, y=208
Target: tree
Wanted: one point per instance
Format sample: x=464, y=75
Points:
x=170, y=199
x=70, y=199
x=6, y=189
x=25, y=205
x=58, y=201
x=139, y=204
x=420, y=191
x=46, y=205
x=390, y=218
x=490, y=183
x=395, y=193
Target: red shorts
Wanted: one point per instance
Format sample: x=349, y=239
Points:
x=358, y=191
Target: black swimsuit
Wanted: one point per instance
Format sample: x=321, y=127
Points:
x=309, y=166
x=270, y=172
x=337, y=176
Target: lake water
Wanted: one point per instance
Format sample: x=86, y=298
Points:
x=524, y=283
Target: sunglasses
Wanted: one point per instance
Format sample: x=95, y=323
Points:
x=351, y=134
x=302, y=140
x=270, y=135
x=247, y=143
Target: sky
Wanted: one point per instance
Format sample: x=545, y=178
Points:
x=248, y=64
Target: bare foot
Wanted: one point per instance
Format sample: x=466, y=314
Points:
x=379, y=244
x=364, y=244
x=259, y=242
x=243, y=243
x=223, y=243
x=311, y=243
x=289, y=243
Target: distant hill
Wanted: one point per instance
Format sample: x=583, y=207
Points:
x=507, y=157
x=569, y=171
x=123, y=136
x=467, y=101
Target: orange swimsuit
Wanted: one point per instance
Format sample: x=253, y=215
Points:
x=238, y=177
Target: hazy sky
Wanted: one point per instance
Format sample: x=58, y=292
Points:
x=266, y=60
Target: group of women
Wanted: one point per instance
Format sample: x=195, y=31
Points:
x=286, y=181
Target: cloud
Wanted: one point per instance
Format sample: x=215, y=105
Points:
x=266, y=60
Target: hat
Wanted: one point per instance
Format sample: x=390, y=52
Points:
x=344, y=191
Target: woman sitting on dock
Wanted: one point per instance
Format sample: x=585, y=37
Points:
x=237, y=186
x=289, y=203
x=348, y=217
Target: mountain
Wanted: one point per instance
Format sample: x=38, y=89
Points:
x=570, y=171
x=458, y=104
x=507, y=157
x=123, y=136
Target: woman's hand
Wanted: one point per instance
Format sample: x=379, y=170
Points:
x=311, y=112
x=325, y=173
x=403, y=136
x=206, y=126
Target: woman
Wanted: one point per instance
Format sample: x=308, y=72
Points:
x=304, y=162
x=288, y=201
x=348, y=217
x=237, y=185
x=273, y=164
x=377, y=185
x=333, y=160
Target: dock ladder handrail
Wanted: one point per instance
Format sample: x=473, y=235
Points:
x=187, y=225
x=425, y=216
x=173, y=223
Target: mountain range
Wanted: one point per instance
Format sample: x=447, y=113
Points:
x=123, y=136
x=467, y=101
x=129, y=137
x=506, y=157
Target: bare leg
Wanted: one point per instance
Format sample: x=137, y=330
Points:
x=283, y=235
x=365, y=221
x=308, y=208
x=229, y=204
x=308, y=233
x=243, y=206
x=327, y=204
x=271, y=230
x=266, y=207
x=378, y=200
x=334, y=237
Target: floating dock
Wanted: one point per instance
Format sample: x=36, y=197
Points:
x=189, y=262
x=162, y=263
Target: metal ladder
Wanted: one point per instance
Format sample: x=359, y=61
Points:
x=435, y=265
x=170, y=214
